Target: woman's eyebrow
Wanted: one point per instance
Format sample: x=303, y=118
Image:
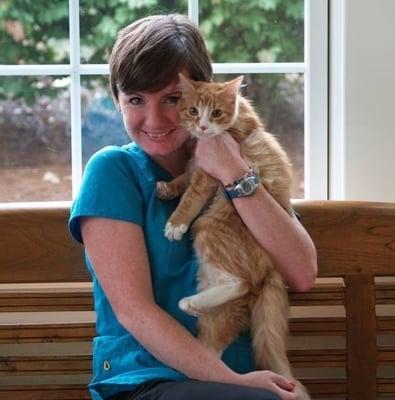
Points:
x=175, y=92
x=171, y=93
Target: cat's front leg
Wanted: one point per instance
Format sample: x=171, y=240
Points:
x=173, y=189
x=200, y=191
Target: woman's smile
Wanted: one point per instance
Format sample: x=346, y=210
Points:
x=158, y=135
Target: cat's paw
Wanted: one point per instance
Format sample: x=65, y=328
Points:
x=163, y=191
x=186, y=305
x=175, y=232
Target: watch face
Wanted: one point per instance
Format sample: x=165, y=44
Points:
x=248, y=185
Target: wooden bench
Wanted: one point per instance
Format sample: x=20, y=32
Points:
x=342, y=342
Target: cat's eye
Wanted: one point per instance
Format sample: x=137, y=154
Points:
x=193, y=111
x=216, y=113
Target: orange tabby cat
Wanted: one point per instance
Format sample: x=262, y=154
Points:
x=238, y=287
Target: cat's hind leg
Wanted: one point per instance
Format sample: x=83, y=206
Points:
x=220, y=327
x=214, y=296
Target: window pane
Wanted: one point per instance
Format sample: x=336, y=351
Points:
x=253, y=31
x=101, y=123
x=102, y=19
x=35, y=139
x=279, y=100
x=34, y=35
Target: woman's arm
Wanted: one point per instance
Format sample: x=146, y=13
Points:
x=283, y=237
x=118, y=253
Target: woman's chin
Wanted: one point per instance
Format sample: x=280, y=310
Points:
x=162, y=147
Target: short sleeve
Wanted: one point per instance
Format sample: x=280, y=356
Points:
x=109, y=189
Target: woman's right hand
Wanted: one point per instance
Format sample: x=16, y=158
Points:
x=269, y=380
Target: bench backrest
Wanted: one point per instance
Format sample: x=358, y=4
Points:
x=342, y=341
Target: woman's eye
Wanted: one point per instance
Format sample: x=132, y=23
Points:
x=135, y=101
x=216, y=113
x=173, y=99
x=193, y=111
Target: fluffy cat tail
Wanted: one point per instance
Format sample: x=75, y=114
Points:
x=269, y=326
x=269, y=329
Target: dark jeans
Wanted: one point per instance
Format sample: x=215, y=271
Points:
x=193, y=390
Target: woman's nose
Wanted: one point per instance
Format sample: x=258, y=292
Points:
x=155, y=116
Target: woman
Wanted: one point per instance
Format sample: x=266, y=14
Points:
x=145, y=346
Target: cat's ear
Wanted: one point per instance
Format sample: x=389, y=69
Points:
x=232, y=87
x=185, y=84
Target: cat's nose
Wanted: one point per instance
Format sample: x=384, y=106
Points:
x=203, y=127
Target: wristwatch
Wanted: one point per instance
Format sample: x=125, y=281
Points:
x=244, y=186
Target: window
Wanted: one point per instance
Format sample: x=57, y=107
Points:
x=56, y=109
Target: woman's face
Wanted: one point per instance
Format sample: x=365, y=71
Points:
x=151, y=119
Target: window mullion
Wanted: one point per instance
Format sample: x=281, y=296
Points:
x=94, y=69
x=193, y=11
x=75, y=95
x=35, y=70
x=337, y=102
x=316, y=99
x=258, y=68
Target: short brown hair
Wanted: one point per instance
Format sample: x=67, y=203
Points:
x=149, y=53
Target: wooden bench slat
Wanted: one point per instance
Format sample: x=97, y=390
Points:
x=385, y=293
x=85, y=331
x=318, y=326
x=386, y=386
x=54, y=364
x=319, y=387
x=318, y=358
x=323, y=294
x=47, y=333
x=386, y=355
x=69, y=301
x=386, y=324
x=45, y=392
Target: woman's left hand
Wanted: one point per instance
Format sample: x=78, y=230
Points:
x=220, y=157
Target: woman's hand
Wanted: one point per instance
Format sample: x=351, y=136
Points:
x=277, y=384
x=220, y=157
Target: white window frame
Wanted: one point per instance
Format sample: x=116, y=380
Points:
x=314, y=68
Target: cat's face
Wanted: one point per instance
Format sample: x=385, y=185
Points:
x=208, y=109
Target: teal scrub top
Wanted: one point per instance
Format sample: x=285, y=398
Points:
x=119, y=183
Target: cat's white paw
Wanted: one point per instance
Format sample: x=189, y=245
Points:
x=162, y=190
x=175, y=232
x=185, y=305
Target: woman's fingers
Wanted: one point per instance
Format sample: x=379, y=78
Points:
x=284, y=387
x=284, y=394
x=282, y=381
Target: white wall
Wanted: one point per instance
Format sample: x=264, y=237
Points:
x=369, y=101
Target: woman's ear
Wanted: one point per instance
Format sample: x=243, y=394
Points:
x=115, y=100
x=117, y=105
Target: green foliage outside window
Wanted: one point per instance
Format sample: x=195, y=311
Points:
x=37, y=31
